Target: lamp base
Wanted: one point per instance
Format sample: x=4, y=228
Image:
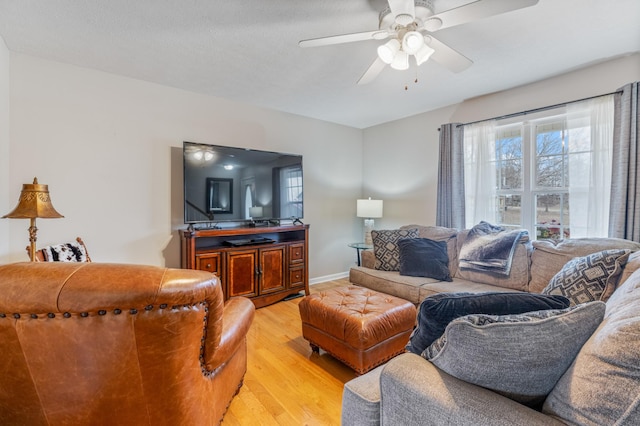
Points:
x=368, y=226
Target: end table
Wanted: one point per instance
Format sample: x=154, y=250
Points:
x=359, y=247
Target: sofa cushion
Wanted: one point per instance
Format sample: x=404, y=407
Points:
x=603, y=384
x=518, y=278
x=440, y=233
x=436, y=312
x=549, y=257
x=385, y=247
x=520, y=356
x=422, y=257
x=588, y=278
x=632, y=265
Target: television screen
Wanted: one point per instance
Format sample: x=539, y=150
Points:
x=224, y=184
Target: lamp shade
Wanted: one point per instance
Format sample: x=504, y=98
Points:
x=423, y=54
x=369, y=208
x=412, y=42
x=255, y=211
x=34, y=203
x=400, y=61
x=389, y=50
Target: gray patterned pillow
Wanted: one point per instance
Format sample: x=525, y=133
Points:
x=589, y=278
x=520, y=356
x=385, y=247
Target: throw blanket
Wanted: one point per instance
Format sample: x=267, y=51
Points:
x=489, y=248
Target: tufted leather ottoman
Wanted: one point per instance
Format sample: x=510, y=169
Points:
x=361, y=327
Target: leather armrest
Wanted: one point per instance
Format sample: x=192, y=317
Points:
x=414, y=391
x=236, y=320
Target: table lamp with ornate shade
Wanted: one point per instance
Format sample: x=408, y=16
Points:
x=34, y=203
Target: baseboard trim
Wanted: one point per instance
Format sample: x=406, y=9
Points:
x=331, y=277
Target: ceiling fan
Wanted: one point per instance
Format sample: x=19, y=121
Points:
x=409, y=24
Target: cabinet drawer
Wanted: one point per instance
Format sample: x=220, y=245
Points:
x=296, y=253
x=296, y=277
x=210, y=262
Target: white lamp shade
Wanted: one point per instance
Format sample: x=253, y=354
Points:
x=423, y=54
x=389, y=50
x=412, y=42
x=369, y=208
x=255, y=211
x=400, y=61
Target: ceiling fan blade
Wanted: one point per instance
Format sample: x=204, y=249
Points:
x=372, y=72
x=447, y=57
x=344, y=38
x=403, y=7
x=474, y=11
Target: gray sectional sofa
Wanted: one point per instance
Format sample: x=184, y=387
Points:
x=600, y=387
x=533, y=265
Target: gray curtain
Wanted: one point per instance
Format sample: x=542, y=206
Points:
x=450, y=209
x=624, y=216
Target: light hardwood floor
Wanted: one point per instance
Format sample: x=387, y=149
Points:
x=287, y=384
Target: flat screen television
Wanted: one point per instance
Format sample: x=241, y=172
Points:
x=227, y=184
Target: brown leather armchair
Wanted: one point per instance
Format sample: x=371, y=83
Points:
x=95, y=343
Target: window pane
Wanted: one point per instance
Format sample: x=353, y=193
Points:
x=509, y=210
x=552, y=216
x=509, y=157
x=551, y=157
x=549, y=142
x=550, y=171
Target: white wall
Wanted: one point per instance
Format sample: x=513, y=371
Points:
x=109, y=148
x=401, y=157
x=5, y=202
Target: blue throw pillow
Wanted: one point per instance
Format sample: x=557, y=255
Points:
x=422, y=257
x=437, y=311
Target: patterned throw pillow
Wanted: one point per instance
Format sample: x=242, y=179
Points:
x=67, y=252
x=385, y=247
x=520, y=356
x=588, y=278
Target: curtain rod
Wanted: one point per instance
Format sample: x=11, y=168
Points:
x=530, y=111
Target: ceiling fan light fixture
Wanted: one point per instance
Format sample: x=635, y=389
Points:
x=412, y=42
x=400, y=61
x=423, y=54
x=388, y=51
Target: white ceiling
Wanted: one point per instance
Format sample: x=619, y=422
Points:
x=247, y=50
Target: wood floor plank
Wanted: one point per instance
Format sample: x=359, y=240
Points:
x=287, y=384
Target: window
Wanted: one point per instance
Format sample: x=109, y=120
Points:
x=291, y=196
x=547, y=174
x=532, y=185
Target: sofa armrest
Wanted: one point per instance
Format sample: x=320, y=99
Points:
x=368, y=259
x=414, y=391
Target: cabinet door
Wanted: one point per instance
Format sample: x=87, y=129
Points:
x=210, y=262
x=242, y=273
x=272, y=269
